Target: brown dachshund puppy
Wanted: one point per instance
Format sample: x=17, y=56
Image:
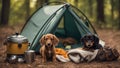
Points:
x=90, y=42
x=48, y=43
x=107, y=54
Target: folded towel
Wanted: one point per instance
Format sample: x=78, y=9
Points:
x=60, y=51
x=61, y=55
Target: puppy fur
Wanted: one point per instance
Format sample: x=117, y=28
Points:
x=48, y=43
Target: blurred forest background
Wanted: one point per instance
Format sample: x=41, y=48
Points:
x=102, y=13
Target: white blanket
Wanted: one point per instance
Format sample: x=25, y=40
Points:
x=79, y=55
x=62, y=59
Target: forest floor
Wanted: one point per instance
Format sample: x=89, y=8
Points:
x=111, y=37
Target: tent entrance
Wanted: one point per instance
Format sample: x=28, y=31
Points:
x=67, y=27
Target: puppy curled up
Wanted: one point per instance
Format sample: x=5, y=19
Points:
x=47, y=50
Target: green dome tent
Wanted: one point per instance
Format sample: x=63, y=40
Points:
x=61, y=20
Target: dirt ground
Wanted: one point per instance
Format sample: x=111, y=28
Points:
x=111, y=37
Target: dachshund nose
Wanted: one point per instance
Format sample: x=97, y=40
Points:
x=48, y=43
x=89, y=45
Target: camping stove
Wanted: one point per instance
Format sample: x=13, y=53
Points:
x=16, y=46
x=15, y=58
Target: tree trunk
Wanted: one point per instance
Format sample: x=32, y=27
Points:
x=90, y=2
x=119, y=13
x=100, y=12
x=76, y=3
x=112, y=9
x=5, y=12
x=46, y=1
x=27, y=4
x=0, y=11
x=41, y=2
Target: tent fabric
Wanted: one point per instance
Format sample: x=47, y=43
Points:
x=78, y=27
x=40, y=22
x=46, y=20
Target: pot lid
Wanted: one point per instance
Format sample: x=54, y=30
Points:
x=17, y=38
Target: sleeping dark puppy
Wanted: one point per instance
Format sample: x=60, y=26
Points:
x=90, y=42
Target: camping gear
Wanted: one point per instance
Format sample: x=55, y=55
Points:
x=107, y=54
x=29, y=56
x=15, y=59
x=21, y=59
x=80, y=55
x=61, y=19
x=17, y=44
x=12, y=59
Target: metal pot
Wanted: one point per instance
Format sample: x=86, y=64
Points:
x=29, y=56
x=17, y=44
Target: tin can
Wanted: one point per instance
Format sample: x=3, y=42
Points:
x=29, y=56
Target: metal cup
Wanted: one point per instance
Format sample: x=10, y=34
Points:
x=29, y=56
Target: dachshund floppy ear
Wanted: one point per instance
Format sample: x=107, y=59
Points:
x=42, y=40
x=55, y=40
x=96, y=39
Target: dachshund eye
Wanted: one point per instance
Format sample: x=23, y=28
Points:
x=46, y=38
x=51, y=38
